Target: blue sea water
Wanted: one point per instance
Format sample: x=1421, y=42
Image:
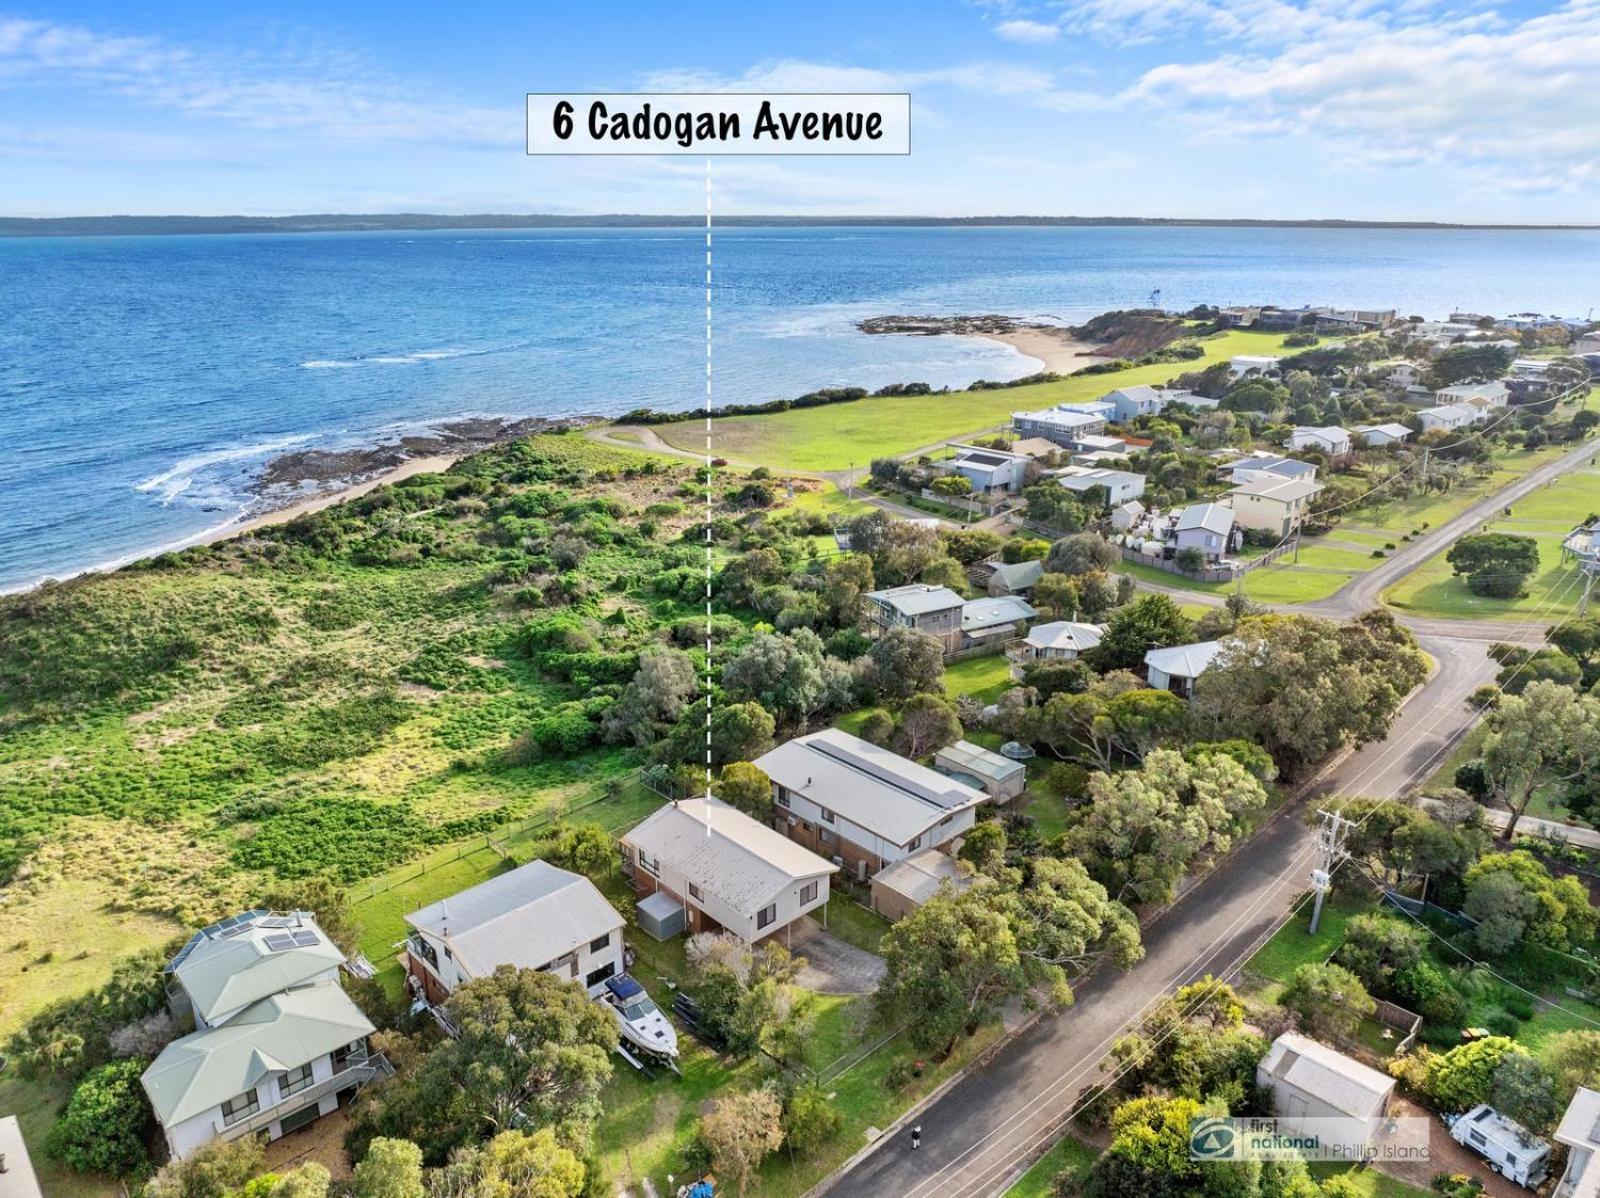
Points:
x=144, y=379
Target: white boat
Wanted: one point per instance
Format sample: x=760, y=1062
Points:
x=643, y=1026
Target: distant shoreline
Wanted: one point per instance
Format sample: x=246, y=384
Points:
x=152, y=226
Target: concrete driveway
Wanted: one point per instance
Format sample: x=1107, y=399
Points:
x=832, y=966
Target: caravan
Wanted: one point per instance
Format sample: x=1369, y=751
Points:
x=1511, y=1149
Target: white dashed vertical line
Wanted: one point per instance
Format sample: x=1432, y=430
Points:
x=708, y=482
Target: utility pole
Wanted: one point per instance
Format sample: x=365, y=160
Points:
x=1426, y=450
x=850, y=481
x=1330, y=843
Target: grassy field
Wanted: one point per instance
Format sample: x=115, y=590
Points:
x=1293, y=945
x=1547, y=516
x=980, y=678
x=834, y=436
x=1067, y=1153
x=1369, y=1183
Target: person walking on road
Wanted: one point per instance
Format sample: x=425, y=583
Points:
x=916, y=1137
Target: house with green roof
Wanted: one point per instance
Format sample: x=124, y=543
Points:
x=277, y=1042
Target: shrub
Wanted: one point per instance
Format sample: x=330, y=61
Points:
x=103, y=1126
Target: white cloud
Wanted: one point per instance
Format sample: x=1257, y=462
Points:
x=1490, y=102
x=286, y=88
x=1027, y=32
x=1031, y=85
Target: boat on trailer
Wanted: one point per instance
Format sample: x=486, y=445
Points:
x=645, y=1030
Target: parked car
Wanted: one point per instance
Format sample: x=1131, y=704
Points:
x=1512, y=1150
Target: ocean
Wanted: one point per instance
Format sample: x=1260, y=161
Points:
x=144, y=380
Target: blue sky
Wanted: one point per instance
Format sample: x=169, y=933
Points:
x=1447, y=110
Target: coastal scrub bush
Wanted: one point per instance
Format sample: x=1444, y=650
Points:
x=349, y=838
x=102, y=1129
x=349, y=728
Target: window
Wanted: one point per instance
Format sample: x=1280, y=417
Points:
x=783, y=797
x=294, y=1081
x=808, y=893
x=916, y=843
x=448, y=955
x=599, y=975
x=351, y=1054
x=766, y=915
x=826, y=836
x=649, y=863
x=240, y=1107
x=827, y=816
x=946, y=820
x=694, y=891
x=600, y=943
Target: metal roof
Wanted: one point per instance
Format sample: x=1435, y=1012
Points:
x=1061, y=416
x=1273, y=463
x=527, y=918
x=1017, y=575
x=231, y=964
x=871, y=787
x=917, y=599
x=1065, y=634
x=978, y=614
x=19, y=1179
x=1213, y=517
x=202, y=1070
x=1580, y=1124
x=1097, y=477
x=1286, y=489
x=1344, y=1084
x=1183, y=661
x=1393, y=430
x=978, y=761
x=919, y=876
x=726, y=853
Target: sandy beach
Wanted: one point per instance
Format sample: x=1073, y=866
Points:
x=1054, y=347
x=316, y=503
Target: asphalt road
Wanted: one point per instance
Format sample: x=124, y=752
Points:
x=979, y=1134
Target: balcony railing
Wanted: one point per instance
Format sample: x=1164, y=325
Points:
x=358, y=1072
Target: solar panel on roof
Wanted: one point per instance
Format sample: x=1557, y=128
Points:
x=305, y=938
x=278, y=942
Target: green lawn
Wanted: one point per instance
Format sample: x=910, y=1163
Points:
x=834, y=436
x=1547, y=515
x=1293, y=945
x=381, y=903
x=1068, y=1153
x=853, y=923
x=981, y=678
x=35, y=1105
x=829, y=500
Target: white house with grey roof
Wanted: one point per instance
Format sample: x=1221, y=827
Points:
x=861, y=805
x=1176, y=667
x=1064, y=425
x=988, y=470
x=1144, y=400
x=1380, y=436
x=1207, y=527
x=1059, y=640
x=1310, y=1081
x=1492, y=395
x=1327, y=438
x=1448, y=417
x=534, y=917
x=277, y=1042
x=725, y=870
x=1120, y=485
x=1260, y=464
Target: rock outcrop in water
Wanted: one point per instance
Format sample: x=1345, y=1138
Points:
x=294, y=475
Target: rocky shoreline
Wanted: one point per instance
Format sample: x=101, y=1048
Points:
x=987, y=325
x=292, y=476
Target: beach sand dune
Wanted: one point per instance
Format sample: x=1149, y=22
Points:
x=1055, y=348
